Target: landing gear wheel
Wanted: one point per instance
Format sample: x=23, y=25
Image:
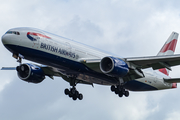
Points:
x=74, y=97
x=70, y=95
x=113, y=88
x=119, y=90
x=73, y=91
x=80, y=96
x=126, y=93
x=77, y=93
x=66, y=91
x=120, y=94
x=116, y=91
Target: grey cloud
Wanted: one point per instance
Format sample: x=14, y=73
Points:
x=85, y=31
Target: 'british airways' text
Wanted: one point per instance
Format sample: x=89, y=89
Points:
x=57, y=50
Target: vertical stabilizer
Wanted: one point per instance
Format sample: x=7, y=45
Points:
x=168, y=49
x=170, y=45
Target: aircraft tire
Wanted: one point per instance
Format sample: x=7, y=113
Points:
x=113, y=88
x=80, y=97
x=70, y=95
x=66, y=91
x=74, y=97
x=120, y=94
x=76, y=93
x=120, y=88
x=73, y=91
x=126, y=93
x=116, y=91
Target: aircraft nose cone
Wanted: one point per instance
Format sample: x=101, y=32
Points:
x=4, y=39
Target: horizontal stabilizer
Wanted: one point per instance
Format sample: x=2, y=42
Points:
x=8, y=68
x=172, y=80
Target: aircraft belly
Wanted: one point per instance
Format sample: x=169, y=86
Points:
x=135, y=85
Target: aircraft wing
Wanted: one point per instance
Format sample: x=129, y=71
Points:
x=172, y=80
x=156, y=62
x=137, y=63
x=92, y=64
x=52, y=71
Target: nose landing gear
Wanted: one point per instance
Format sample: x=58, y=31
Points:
x=19, y=57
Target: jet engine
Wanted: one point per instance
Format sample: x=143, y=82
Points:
x=114, y=67
x=30, y=73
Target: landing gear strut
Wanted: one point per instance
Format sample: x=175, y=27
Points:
x=19, y=57
x=72, y=92
x=119, y=90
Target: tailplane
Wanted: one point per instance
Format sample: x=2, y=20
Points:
x=168, y=49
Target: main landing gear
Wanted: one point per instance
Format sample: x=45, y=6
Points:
x=72, y=92
x=119, y=90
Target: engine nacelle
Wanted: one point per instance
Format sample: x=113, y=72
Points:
x=30, y=73
x=114, y=67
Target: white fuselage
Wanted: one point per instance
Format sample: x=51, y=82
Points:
x=65, y=48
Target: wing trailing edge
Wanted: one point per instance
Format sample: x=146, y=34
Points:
x=172, y=80
x=156, y=62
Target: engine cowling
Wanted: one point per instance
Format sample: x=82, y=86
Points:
x=30, y=73
x=114, y=67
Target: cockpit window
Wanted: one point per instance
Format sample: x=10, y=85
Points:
x=13, y=32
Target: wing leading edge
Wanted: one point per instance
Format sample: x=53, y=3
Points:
x=156, y=62
x=137, y=63
x=172, y=80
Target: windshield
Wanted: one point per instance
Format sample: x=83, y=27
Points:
x=13, y=32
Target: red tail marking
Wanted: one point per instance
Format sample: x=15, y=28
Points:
x=170, y=46
x=163, y=70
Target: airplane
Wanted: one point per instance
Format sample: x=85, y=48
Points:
x=77, y=63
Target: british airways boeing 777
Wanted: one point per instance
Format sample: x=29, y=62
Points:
x=80, y=64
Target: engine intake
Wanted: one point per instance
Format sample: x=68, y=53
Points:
x=114, y=67
x=30, y=73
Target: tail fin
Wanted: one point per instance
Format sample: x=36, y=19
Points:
x=168, y=49
x=170, y=45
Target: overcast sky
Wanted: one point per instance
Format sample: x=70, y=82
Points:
x=126, y=28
